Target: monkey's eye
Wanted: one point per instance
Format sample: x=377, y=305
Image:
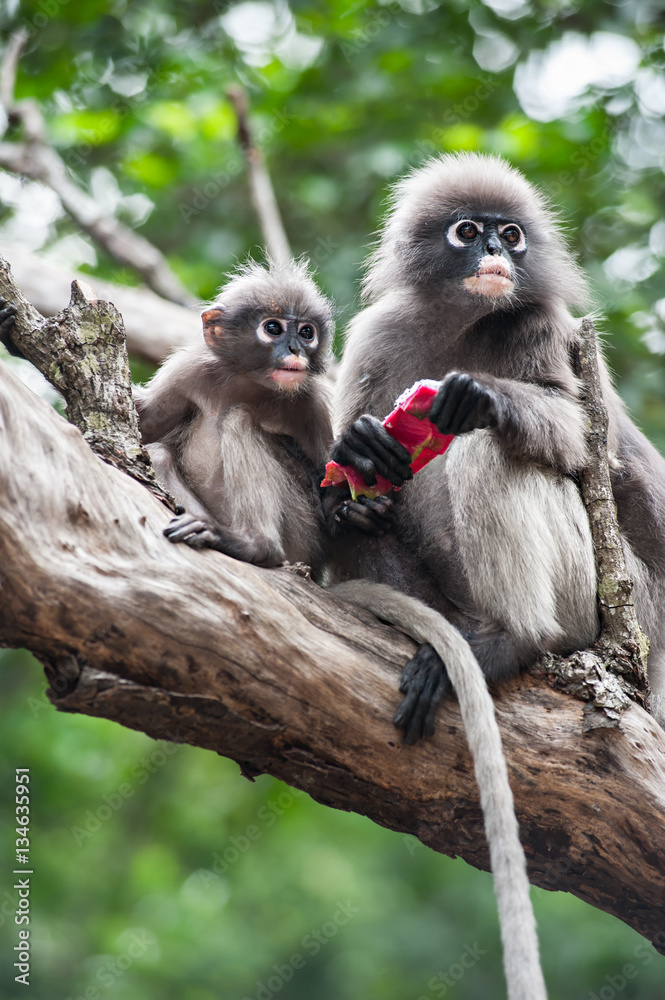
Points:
x=513, y=236
x=467, y=231
x=307, y=332
x=463, y=233
x=272, y=327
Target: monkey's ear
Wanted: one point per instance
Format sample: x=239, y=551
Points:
x=213, y=326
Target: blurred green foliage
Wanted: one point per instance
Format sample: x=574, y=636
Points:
x=159, y=871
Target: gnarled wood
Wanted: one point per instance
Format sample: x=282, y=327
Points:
x=268, y=669
x=82, y=352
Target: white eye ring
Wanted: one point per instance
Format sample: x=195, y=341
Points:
x=456, y=240
x=521, y=243
x=314, y=340
x=262, y=333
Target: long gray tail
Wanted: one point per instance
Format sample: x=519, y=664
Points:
x=521, y=961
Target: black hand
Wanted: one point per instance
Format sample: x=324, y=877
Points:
x=7, y=320
x=191, y=530
x=373, y=516
x=369, y=448
x=425, y=683
x=463, y=404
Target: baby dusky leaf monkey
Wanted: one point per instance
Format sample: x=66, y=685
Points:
x=238, y=426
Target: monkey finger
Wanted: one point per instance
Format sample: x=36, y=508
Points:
x=352, y=450
x=206, y=539
x=367, y=440
x=354, y=512
x=181, y=518
x=413, y=690
x=422, y=701
x=407, y=676
x=444, y=411
x=360, y=514
x=7, y=320
x=403, y=714
x=439, y=411
x=181, y=528
x=384, y=447
x=381, y=509
x=441, y=691
x=482, y=412
x=7, y=313
x=413, y=666
x=344, y=455
x=470, y=405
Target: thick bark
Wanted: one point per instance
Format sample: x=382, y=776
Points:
x=268, y=669
x=82, y=352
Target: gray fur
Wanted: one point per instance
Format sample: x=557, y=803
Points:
x=494, y=534
x=518, y=926
x=285, y=285
x=467, y=184
x=234, y=451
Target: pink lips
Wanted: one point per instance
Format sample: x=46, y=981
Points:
x=292, y=374
x=492, y=279
x=496, y=267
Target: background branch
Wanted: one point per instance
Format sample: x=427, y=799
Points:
x=9, y=68
x=619, y=625
x=154, y=327
x=260, y=186
x=613, y=672
x=36, y=159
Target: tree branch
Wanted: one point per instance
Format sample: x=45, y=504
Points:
x=82, y=352
x=36, y=159
x=9, y=68
x=271, y=670
x=619, y=626
x=260, y=186
x=613, y=673
x=154, y=326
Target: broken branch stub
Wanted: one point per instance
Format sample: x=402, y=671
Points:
x=82, y=352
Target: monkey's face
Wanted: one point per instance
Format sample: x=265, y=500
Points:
x=474, y=261
x=291, y=342
x=277, y=344
x=483, y=252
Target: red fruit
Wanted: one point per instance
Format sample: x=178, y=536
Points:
x=409, y=425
